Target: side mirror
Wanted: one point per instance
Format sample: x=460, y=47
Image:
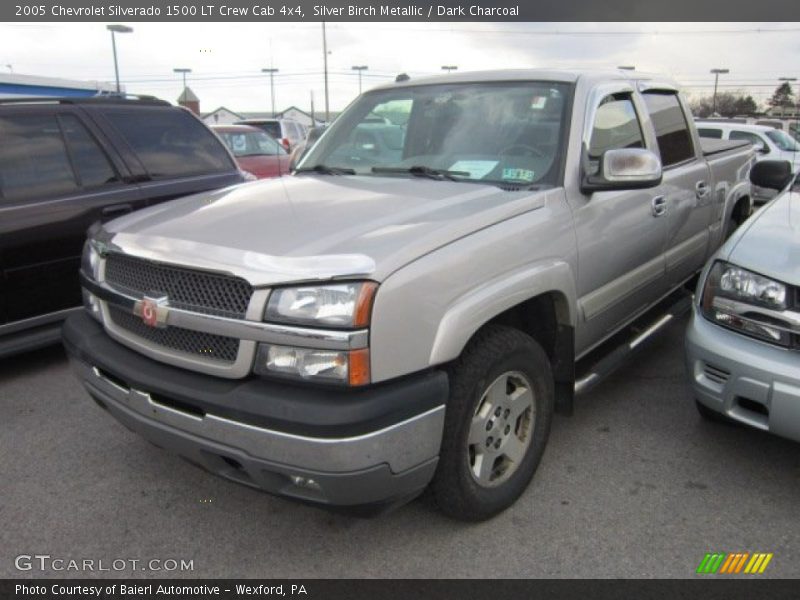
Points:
x=624, y=169
x=762, y=148
x=771, y=174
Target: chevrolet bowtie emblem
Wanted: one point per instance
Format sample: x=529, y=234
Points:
x=153, y=310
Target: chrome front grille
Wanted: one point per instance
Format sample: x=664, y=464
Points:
x=196, y=343
x=196, y=291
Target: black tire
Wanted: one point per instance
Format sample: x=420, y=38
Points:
x=730, y=227
x=710, y=414
x=494, y=351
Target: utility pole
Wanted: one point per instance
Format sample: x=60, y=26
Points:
x=325, y=59
x=717, y=73
x=271, y=72
x=359, y=68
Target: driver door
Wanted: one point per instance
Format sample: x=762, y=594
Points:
x=620, y=234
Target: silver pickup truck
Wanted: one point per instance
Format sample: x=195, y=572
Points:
x=411, y=307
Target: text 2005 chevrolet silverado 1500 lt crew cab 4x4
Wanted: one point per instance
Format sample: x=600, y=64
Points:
x=407, y=309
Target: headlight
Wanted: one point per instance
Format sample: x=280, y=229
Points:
x=325, y=366
x=345, y=305
x=745, y=286
x=90, y=260
x=90, y=265
x=732, y=297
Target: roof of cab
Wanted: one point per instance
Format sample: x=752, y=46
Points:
x=562, y=75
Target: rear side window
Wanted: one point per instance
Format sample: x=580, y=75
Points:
x=707, y=132
x=672, y=131
x=272, y=127
x=295, y=132
x=91, y=163
x=33, y=158
x=746, y=135
x=171, y=143
x=615, y=126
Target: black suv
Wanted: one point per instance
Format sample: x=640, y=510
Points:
x=68, y=163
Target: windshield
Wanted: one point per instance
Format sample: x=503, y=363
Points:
x=783, y=141
x=251, y=143
x=500, y=133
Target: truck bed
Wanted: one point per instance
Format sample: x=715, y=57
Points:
x=711, y=147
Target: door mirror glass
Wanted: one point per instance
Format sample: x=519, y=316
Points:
x=624, y=169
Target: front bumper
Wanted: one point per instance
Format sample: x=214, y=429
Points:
x=749, y=381
x=373, y=446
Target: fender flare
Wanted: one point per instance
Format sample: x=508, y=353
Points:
x=474, y=309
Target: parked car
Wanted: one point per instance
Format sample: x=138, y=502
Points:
x=743, y=342
x=287, y=131
x=66, y=163
x=304, y=335
x=790, y=126
x=770, y=143
x=254, y=150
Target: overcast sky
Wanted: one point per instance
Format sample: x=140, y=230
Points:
x=226, y=58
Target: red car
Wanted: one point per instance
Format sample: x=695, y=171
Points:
x=254, y=151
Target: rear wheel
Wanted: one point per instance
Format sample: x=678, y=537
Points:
x=496, y=426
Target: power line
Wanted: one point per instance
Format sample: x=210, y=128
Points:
x=595, y=33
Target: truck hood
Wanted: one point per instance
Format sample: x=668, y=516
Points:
x=316, y=227
x=771, y=243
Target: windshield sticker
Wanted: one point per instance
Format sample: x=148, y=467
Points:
x=477, y=169
x=518, y=175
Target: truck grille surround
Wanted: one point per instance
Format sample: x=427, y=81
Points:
x=197, y=291
x=186, y=289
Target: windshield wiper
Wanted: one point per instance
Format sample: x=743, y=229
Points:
x=422, y=171
x=326, y=170
x=524, y=187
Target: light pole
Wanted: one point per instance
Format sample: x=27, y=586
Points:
x=359, y=68
x=114, y=29
x=183, y=72
x=717, y=73
x=325, y=64
x=787, y=80
x=271, y=72
x=449, y=68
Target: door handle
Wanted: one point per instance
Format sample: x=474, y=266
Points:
x=701, y=189
x=659, y=206
x=116, y=210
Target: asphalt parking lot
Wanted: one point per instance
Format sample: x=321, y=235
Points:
x=634, y=485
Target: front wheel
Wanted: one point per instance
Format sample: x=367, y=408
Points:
x=496, y=425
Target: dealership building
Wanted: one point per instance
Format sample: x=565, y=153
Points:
x=13, y=85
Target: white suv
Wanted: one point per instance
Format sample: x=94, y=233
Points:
x=771, y=143
x=287, y=131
